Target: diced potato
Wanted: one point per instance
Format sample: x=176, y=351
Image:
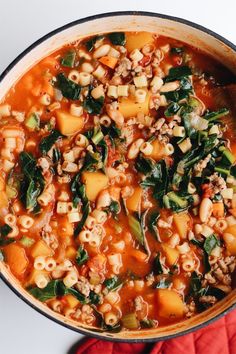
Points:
x=16, y=259
x=71, y=300
x=157, y=152
x=129, y=108
x=138, y=40
x=182, y=222
x=69, y=124
x=94, y=182
x=40, y=248
x=133, y=202
x=108, y=61
x=169, y=304
x=171, y=254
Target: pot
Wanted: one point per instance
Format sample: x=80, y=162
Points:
x=193, y=34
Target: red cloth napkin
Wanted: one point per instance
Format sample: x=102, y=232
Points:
x=217, y=338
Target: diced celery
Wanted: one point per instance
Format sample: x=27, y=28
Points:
x=33, y=121
x=27, y=241
x=222, y=170
x=227, y=157
x=130, y=321
x=178, y=200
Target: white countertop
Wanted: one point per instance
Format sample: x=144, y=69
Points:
x=23, y=330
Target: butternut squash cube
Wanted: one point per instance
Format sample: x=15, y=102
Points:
x=94, y=182
x=69, y=124
x=157, y=151
x=40, y=248
x=2, y=183
x=16, y=259
x=229, y=237
x=71, y=252
x=108, y=61
x=170, y=304
x=129, y=108
x=34, y=274
x=137, y=40
x=182, y=222
x=171, y=254
x=71, y=300
x=66, y=229
x=133, y=202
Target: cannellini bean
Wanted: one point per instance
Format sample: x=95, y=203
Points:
x=205, y=209
x=135, y=148
x=101, y=51
x=104, y=199
x=115, y=115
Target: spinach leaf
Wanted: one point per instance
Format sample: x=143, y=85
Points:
x=47, y=293
x=147, y=323
x=4, y=231
x=91, y=161
x=101, y=323
x=184, y=90
x=152, y=224
x=206, y=263
x=143, y=164
x=112, y=131
x=92, y=105
x=81, y=256
x=91, y=42
x=176, y=50
x=210, y=243
x=81, y=195
x=68, y=88
x=94, y=298
x=113, y=283
x=178, y=73
x=69, y=59
x=114, y=208
x=162, y=284
x=157, y=266
x=212, y=116
x=62, y=290
x=137, y=229
x=217, y=292
x=195, y=287
x=117, y=38
x=48, y=141
x=158, y=180
x=172, y=109
x=33, y=183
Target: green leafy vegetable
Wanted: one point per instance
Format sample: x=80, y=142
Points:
x=147, y=323
x=152, y=224
x=47, y=293
x=93, y=106
x=68, y=88
x=94, y=298
x=33, y=121
x=178, y=73
x=81, y=194
x=91, y=42
x=62, y=290
x=206, y=264
x=195, y=287
x=212, y=116
x=157, y=266
x=81, y=256
x=69, y=59
x=33, y=183
x=114, y=208
x=144, y=165
x=172, y=109
x=113, y=283
x=97, y=136
x=210, y=243
x=101, y=323
x=4, y=231
x=176, y=50
x=117, y=38
x=48, y=141
x=137, y=230
x=162, y=284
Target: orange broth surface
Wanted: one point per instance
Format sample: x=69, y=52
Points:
x=132, y=270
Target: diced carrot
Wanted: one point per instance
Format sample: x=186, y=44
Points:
x=16, y=259
x=109, y=61
x=218, y=210
x=139, y=255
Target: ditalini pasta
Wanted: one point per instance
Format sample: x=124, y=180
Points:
x=118, y=181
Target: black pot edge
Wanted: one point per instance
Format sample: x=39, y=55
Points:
x=6, y=71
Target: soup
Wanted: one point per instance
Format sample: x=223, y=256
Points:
x=118, y=181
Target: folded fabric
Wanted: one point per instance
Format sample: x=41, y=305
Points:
x=217, y=338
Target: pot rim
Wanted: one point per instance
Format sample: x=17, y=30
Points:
x=4, y=74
